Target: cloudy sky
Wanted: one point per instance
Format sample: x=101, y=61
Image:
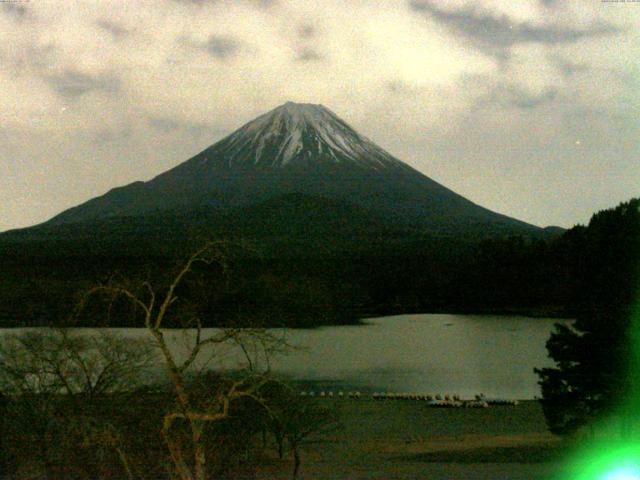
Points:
x=529, y=108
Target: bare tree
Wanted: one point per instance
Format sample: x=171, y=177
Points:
x=293, y=419
x=50, y=376
x=304, y=420
x=159, y=306
x=60, y=361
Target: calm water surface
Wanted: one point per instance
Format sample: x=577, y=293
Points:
x=464, y=354
x=429, y=353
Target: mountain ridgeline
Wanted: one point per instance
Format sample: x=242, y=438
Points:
x=326, y=227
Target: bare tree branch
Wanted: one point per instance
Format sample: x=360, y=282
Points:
x=193, y=410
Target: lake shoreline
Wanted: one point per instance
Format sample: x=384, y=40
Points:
x=363, y=320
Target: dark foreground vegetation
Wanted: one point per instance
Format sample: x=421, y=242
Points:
x=96, y=405
x=371, y=440
x=119, y=436
x=336, y=270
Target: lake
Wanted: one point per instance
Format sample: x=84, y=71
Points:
x=463, y=354
x=428, y=353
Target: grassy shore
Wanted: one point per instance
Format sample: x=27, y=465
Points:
x=409, y=439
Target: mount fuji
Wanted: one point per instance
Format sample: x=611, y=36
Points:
x=301, y=150
x=322, y=226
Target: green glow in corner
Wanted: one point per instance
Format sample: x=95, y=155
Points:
x=607, y=462
x=615, y=459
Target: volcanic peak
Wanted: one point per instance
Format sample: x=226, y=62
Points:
x=300, y=133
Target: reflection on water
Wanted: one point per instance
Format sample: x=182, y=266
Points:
x=463, y=354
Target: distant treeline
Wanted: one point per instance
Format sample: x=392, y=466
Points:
x=305, y=278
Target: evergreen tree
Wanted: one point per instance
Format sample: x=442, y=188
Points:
x=595, y=371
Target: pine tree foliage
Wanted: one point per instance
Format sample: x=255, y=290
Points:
x=595, y=371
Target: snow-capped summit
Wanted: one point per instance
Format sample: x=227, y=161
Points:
x=298, y=133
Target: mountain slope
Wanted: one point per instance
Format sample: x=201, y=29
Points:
x=298, y=148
